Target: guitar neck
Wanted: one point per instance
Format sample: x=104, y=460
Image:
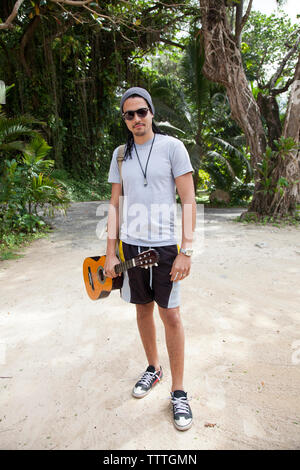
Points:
x=120, y=268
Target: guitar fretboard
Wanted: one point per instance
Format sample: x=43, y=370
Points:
x=120, y=268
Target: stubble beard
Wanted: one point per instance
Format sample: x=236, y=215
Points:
x=139, y=131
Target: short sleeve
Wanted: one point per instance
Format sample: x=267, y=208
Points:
x=114, y=174
x=180, y=160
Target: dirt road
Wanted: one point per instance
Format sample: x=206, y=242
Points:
x=68, y=364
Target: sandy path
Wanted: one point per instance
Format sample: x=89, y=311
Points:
x=72, y=362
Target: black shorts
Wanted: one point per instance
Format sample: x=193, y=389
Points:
x=142, y=286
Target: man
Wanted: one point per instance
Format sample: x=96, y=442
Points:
x=154, y=166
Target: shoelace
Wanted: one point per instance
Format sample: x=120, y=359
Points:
x=147, y=378
x=181, y=405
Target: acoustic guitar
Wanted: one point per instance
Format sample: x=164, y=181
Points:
x=99, y=286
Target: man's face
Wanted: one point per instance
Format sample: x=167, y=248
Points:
x=139, y=126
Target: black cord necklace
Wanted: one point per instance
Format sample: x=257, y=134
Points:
x=144, y=172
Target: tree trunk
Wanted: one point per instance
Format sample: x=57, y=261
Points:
x=292, y=129
x=26, y=38
x=238, y=20
x=223, y=64
x=53, y=89
x=292, y=120
x=270, y=111
x=287, y=166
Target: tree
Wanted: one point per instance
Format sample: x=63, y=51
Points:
x=70, y=61
x=268, y=53
x=210, y=123
x=223, y=64
x=196, y=110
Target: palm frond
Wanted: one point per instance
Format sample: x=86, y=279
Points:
x=24, y=119
x=166, y=112
x=16, y=145
x=10, y=133
x=36, y=149
x=191, y=66
x=12, y=128
x=214, y=154
x=166, y=125
x=226, y=146
x=162, y=92
x=239, y=140
x=234, y=151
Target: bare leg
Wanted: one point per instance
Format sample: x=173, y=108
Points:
x=175, y=344
x=146, y=325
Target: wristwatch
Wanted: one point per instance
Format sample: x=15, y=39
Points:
x=187, y=251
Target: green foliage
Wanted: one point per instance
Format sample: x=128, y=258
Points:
x=204, y=180
x=26, y=184
x=275, y=221
x=240, y=192
x=74, y=67
x=84, y=189
x=13, y=242
x=76, y=72
x=271, y=183
x=266, y=40
x=198, y=88
x=14, y=128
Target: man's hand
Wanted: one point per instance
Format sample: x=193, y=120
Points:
x=109, y=266
x=181, y=267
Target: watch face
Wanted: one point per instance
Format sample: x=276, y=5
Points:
x=187, y=252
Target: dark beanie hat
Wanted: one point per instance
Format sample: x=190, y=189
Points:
x=137, y=91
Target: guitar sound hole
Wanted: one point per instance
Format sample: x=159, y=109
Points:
x=101, y=275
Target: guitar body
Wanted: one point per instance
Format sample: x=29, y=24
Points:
x=97, y=284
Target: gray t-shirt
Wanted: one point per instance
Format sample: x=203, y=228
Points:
x=149, y=212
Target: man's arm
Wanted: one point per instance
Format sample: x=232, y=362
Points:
x=185, y=189
x=112, y=230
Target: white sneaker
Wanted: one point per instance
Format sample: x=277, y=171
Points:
x=182, y=413
x=150, y=378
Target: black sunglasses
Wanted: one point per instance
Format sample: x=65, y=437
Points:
x=129, y=115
